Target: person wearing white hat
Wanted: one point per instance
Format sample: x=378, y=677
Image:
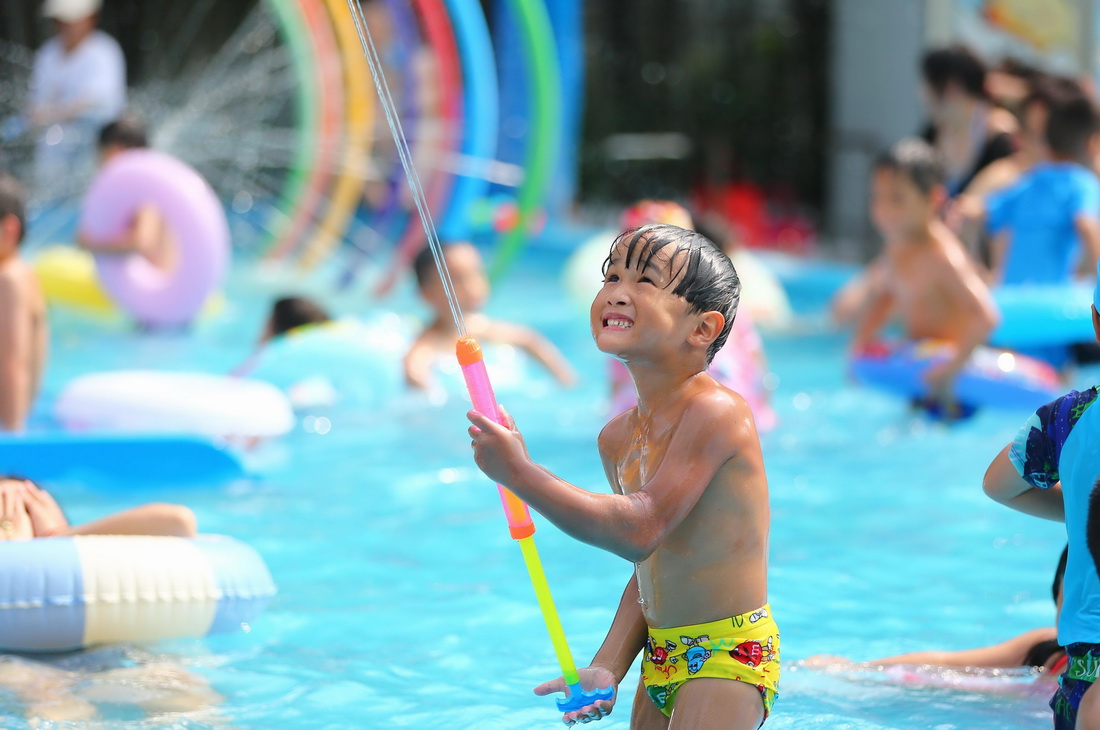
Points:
x=78, y=84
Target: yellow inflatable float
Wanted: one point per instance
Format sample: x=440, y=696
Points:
x=68, y=278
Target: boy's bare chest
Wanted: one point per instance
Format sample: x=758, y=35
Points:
x=642, y=452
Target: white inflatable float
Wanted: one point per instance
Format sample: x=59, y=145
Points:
x=150, y=401
x=67, y=593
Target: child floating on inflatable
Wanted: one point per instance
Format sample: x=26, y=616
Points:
x=23, y=326
x=471, y=286
x=148, y=235
x=158, y=230
x=690, y=503
x=924, y=275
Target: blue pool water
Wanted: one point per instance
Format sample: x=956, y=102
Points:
x=403, y=603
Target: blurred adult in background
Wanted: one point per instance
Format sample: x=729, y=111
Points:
x=967, y=215
x=78, y=84
x=965, y=128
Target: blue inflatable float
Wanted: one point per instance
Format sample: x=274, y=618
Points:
x=991, y=379
x=1042, y=316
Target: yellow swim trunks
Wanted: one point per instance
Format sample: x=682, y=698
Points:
x=744, y=648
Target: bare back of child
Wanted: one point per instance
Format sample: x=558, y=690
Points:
x=24, y=331
x=690, y=500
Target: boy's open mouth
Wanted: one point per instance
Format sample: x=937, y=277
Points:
x=617, y=322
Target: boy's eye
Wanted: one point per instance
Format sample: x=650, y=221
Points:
x=645, y=280
x=610, y=278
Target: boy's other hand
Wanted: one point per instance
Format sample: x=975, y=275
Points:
x=498, y=449
x=591, y=678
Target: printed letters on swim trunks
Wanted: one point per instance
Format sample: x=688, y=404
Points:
x=744, y=648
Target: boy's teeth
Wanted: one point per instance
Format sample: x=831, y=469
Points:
x=618, y=323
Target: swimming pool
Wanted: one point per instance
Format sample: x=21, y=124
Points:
x=403, y=603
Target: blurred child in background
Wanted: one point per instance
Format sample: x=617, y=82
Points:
x=471, y=287
x=148, y=234
x=924, y=276
x=24, y=332
x=288, y=314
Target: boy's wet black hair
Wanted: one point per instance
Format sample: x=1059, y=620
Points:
x=941, y=66
x=709, y=282
x=1070, y=126
x=13, y=201
x=917, y=160
x=291, y=312
x=125, y=132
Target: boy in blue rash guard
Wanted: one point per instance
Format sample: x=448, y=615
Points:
x=1049, y=471
x=1048, y=223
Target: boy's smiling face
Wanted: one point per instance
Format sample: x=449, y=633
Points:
x=635, y=311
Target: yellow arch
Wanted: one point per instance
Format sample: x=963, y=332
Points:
x=360, y=109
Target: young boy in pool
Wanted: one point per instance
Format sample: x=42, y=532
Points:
x=1049, y=471
x=148, y=234
x=690, y=502
x=923, y=273
x=471, y=287
x=23, y=325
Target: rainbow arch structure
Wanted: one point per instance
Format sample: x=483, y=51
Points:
x=336, y=125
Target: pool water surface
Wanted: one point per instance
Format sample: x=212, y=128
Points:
x=403, y=603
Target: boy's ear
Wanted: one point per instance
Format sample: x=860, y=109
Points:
x=707, y=329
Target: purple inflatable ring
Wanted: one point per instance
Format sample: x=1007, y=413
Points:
x=191, y=211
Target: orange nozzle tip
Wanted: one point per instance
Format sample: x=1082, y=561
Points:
x=468, y=351
x=518, y=532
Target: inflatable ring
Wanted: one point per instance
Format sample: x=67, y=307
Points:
x=68, y=593
x=190, y=209
x=1043, y=315
x=68, y=278
x=991, y=378
x=150, y=401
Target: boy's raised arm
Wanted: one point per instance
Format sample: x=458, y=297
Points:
x=632, y=525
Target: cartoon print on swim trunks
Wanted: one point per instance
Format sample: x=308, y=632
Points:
x=659, y=694
x=696, y=655
x=658, y=654
x=753, y=653
x=757, y=615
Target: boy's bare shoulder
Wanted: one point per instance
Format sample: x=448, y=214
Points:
x=716, y=401
x=615, y=430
